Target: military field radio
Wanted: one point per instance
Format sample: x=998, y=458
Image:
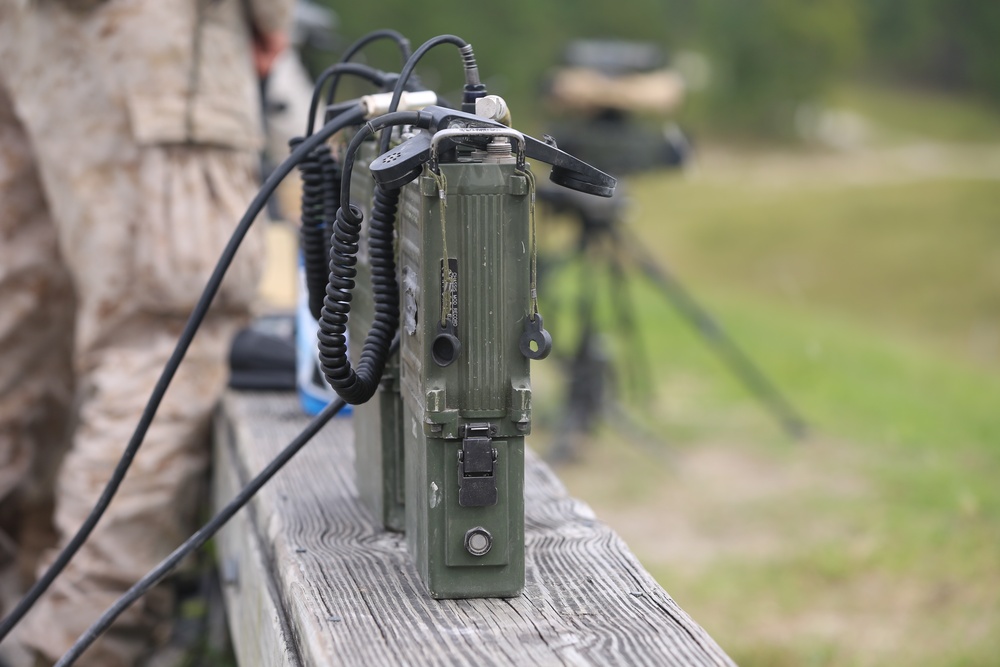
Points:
x=446, y=263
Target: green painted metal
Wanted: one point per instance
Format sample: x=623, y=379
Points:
x=379, y=458
x=487, y=385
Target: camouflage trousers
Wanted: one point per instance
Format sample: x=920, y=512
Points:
x=103, y=254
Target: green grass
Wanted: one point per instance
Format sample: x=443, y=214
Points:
x=876, y=309
x=914, y=114
x=918, y=433
x=851, y=380
x=920, y=260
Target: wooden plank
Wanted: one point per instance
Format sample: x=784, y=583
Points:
x=257, y=624
x=348, y=594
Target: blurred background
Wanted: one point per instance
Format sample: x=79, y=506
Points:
x=829, y=195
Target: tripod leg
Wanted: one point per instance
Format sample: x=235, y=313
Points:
x=586, y=376
x=621, y=300
x=736, y=359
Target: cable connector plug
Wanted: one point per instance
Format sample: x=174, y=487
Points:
x=378, y=103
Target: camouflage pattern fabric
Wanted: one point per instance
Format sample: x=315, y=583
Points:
x=128, y=139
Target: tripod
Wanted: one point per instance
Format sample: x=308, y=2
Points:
x=601, y=231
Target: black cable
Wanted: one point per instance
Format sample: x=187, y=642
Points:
x=373, y=75
x=367, y=130
x=358, y=385
x=353, y=49
x=401, y=41
x=187, y=335
x=199, y=538
x=321, y=176
x=332, y=177
x=397, y=93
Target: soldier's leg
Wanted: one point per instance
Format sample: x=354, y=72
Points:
x=166, y=225
x=36, y=324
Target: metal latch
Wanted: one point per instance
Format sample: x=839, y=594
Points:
x=477, y=486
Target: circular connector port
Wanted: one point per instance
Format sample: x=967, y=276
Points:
x=445, y=348
x=478, y=541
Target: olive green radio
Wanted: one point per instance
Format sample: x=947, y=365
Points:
x=440, y=425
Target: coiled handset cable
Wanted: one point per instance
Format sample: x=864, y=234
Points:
x=321, y=173
x=357, y=385
x=187, y=335
x=321, y=177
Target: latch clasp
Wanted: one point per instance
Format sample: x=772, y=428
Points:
x=477, y=485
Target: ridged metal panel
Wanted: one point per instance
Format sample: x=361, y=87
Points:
x=482, y=272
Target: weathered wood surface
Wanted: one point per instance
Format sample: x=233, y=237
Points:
x=310, y=581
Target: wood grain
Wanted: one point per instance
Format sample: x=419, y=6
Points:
x=319, y=585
